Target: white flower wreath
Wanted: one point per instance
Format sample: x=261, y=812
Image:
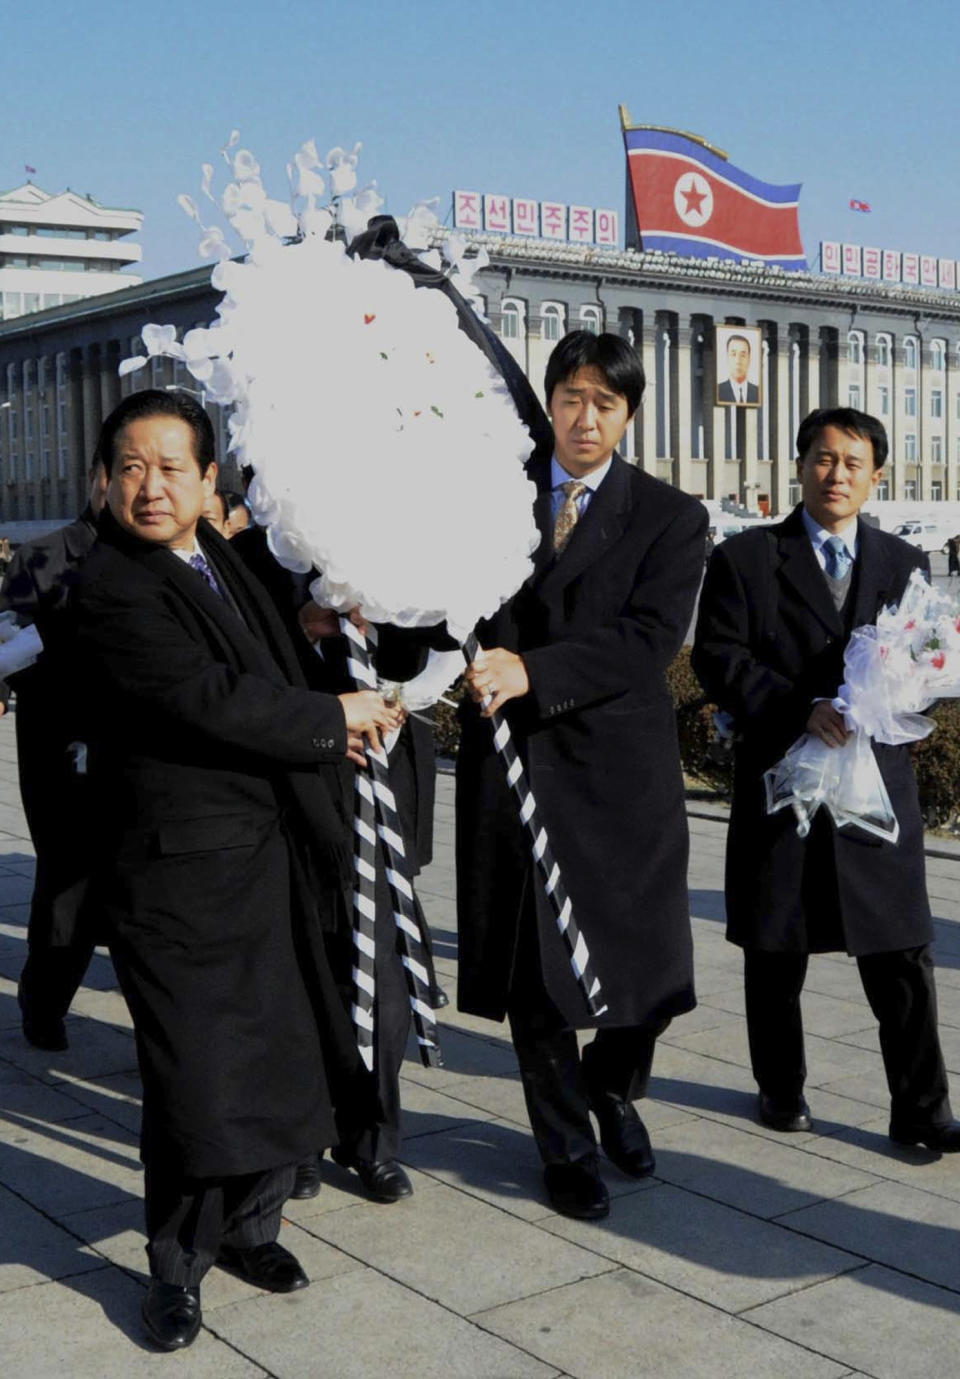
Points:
x=387, y=452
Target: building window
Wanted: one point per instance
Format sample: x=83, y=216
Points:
x=883, y=491
x=936, y=402
x=910, y=402
x=853, y=395
x=910, y=490
x=551, y=321
x=793, y=493
x=510, y=319
x=910, y=447
x=936, y=492
x=883, y=398
x=909, y=352
x=855, y=347
x=591, y=320
x=936, y=449
x=883, y=351
x=938, y=355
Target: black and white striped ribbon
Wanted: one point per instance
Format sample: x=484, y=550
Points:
x=374, y=792
x=546, y=864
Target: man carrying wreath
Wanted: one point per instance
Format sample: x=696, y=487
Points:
x=576, y=661
x=777, y=610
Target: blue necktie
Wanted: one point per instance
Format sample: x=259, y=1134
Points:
x=837, y=559
x=198, y=562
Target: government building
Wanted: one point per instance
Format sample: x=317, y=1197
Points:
x=890, y=347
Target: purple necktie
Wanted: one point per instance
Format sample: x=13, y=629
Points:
x=199, y=563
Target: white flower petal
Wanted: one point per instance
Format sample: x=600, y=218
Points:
x=188, y=204
x=132, y=364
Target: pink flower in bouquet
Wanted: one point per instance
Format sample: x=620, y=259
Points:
x=938, y=660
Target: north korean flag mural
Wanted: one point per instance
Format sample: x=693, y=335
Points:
x=688, y=199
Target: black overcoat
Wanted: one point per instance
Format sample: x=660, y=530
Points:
x=225, y=850
x=769, y=642
x=49, y=719
x=597, y=629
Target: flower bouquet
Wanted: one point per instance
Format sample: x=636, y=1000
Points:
x=893, y=671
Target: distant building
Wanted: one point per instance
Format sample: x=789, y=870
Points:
x=890, y=349
x=55, y=250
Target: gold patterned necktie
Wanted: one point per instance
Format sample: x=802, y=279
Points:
x=568, y=514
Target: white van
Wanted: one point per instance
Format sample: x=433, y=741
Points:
x=924, y=533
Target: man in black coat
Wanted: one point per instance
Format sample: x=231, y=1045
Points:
x=225, y=854
x=577, y=659
x=54, y=785
x=776, y=612
x=369, y=1137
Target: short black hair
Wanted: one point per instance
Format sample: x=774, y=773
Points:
x=157, y=402
x=847, y=419
x=743, y=339
x=232, y=499
x=615, y=357
x=224, y=510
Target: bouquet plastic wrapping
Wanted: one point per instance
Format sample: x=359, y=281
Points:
x=893, y=671
x=19, y=645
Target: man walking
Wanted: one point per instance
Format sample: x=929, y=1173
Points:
x=577, y=661
x=225, y=855
x=52, y=768
x=776, y=612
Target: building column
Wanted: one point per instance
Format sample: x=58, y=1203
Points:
x=784, y=436
x=682, y=469
x=648, y=456
x=90, y=406
x=109, y=378
x=748, y=461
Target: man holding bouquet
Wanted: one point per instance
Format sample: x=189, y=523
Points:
x=777, y=609
x=578, y=658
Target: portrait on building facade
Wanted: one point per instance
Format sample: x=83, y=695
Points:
x=738, y=352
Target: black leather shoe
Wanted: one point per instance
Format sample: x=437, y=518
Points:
x=383, y=1179
x=307, y=1183
x=171, y=1314
x=942, y=1139
x=787, y=1117
x=43, y=1031
x=438, y=998
x=576, y=1189
x=267, y=1266
x=623, y=1135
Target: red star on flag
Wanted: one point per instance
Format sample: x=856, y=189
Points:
x=693, y=198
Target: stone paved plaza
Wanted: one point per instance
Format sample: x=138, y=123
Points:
x=748, y=1255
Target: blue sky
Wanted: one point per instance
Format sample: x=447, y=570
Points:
x=853, y=99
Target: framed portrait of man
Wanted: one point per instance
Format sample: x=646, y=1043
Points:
x=738, y=351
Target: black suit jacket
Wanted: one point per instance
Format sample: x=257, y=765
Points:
x=224, y=851
x=769, y=642
x=597, y=628
x=49, y=719
x=725, y=392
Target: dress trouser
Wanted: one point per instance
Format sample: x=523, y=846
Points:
x=902, y=994
x=557, y=1082
x=188, y=1219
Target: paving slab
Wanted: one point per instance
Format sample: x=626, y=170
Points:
x=456, y=1250
x=362, y=1324
x=34, y=1249
x=86, y=1162
x=89, y=1328
x=880, y=1321
x=704, y=1249
x=891, y=1223
x=760, y=1176
x=624, y=1326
